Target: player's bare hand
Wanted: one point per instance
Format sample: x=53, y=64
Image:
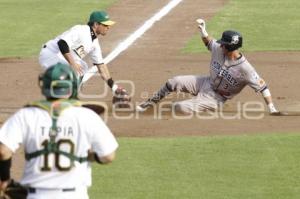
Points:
x=78, y=69
x=272, y=110
x=3, y=185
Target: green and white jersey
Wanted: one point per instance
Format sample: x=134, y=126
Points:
x=81, y=44
x=79, y=130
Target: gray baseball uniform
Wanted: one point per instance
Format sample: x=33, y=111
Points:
x=227, y=79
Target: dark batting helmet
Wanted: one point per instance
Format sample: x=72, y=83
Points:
x=59, y=81
x=232, y=40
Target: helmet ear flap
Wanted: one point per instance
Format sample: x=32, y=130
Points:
x=231, y=47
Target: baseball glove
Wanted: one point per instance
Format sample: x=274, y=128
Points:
x=14, y=190
x=121, y=98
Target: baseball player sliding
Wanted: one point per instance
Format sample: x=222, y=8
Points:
x=60, y=139
x=74, y=44
x=230, y=72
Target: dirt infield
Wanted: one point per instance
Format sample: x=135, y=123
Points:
x=154, y=58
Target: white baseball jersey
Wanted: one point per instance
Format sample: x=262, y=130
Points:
x=229, y=77
x=80, y=41
x=79, y=129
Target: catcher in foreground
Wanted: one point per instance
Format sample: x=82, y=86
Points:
x=61, y=135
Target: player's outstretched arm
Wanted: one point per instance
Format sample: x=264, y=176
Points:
x=103, y=71
x=202, y=27
x=105, y=75
x=268, y=99
x=116, y=89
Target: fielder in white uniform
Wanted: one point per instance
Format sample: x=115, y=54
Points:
x=230, y=72
x=72, y=46
x=60, y=140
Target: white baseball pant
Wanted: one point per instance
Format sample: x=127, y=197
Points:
x=76, y=193
x=48, y=58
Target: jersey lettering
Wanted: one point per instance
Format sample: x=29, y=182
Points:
x=58, y=164
x=216, y=66
x=225, y=74
x=80, y=51
x=65, y=131
x=225, y=86
x=66, y=143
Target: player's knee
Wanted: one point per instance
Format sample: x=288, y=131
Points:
x=173, y=83
x=169, y=86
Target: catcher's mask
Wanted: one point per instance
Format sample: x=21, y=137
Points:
x=232, y=40
x=59, y=81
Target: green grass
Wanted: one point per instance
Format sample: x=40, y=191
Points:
x=220, y=167
x=265, y=27
x=26, y=25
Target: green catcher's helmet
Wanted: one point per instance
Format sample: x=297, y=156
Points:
x=59, y=81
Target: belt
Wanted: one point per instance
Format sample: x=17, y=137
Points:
x=33, y=190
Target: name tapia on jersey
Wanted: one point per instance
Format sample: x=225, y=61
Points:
x=63, y=131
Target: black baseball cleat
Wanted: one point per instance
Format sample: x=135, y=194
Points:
x=144, y=106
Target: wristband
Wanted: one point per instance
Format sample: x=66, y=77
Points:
x=114, y=88
x=266, y=92
x=110, y=82
x=5, y=169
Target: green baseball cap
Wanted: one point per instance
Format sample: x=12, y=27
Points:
x=101, y=17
